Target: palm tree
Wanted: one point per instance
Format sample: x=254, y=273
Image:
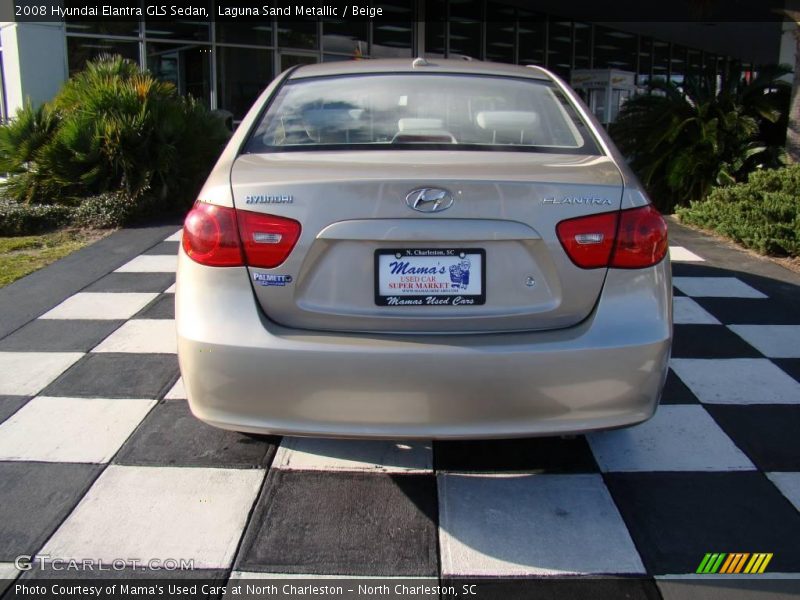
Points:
x=683, y=140
x=793, y=128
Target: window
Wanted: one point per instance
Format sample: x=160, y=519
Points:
x=532, y=28
x=242, y=74
x=645, y=61
x=583, y=46
x=559, y=52
x=614, y=49
x=187, y=66
x=255, y=33
x=660, y=60
x=169, y=28
x=421, y=110
x=109, y=27
x=435, y=17
x=694, y=65
x=677, y=65
x=345, y=37
x=500, y=33
x=298, y=34
x=393, y=36
x=81, y=50
x=465, y=28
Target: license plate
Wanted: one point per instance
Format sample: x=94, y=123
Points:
x=430, y=277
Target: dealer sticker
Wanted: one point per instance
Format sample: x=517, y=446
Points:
x=269, y=279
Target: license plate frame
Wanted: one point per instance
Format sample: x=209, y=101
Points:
x=460, y=293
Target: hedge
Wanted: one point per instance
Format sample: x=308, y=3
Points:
x=762, y=214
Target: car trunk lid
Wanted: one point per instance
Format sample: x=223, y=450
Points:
x=363, y=244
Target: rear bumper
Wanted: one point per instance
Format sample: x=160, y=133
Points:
x=245, y=373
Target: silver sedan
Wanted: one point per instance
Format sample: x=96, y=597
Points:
x=422, y=249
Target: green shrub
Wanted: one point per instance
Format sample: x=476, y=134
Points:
x=111, y=128
x=111, y=209
x=683, y=141
x=762, y=214
x=25, y=219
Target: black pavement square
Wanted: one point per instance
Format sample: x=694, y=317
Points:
x=59, y=335
x=553, y=588
x=677, y=392
x=132, y=282
x=700, y=270
x=676, y=518
x=34, y=499
x=343, y=524
x=117, y=375
x=164, y=248
x=750, y=311
x=171, y=435
x=710, y=341
x=789, y=365
x=162, y=307
x=729, y=588
x=530, y=455
x=768, y=434
x=11, y=404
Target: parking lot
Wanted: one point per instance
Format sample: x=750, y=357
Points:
x=100, y=457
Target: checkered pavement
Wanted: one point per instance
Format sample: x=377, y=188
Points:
x=100, y=457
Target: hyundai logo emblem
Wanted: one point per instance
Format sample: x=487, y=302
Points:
x=429, y=200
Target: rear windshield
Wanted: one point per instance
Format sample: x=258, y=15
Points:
x=421, y=111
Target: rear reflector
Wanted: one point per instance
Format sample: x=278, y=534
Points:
x=628, y=239
x=219, y=236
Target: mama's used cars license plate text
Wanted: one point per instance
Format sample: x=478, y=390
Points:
x=430, y=277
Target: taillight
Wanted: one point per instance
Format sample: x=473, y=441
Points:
x=641, y=239
x=589, y=240
x=628, y=239
x=210, y=236
x=218, y=236
x=266, y=239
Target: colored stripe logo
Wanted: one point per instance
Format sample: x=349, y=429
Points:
x=734, y=563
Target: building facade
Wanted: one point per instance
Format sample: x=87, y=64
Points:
x=226, y=65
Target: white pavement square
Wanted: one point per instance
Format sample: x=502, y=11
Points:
x=87, y=305
x=142, y=335
x=151, y=263
x=737, y=380
x=77, y=430
x=170, y=289
x=681, y=254
x=175, y=237
x=177, y=392
x=531, y=525
x=775, y=341
x=715, y=287
x=310, y=454
x=789, y=485
x=146, y=513
x=688, y=312
x=677, y=438
x=26, y=373
x=8, y=572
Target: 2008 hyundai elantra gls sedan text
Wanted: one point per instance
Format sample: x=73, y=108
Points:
x=422, y=249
